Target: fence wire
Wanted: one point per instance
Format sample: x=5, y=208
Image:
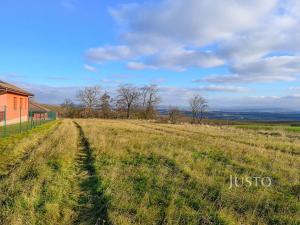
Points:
x=18, y=124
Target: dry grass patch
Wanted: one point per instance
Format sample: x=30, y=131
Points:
x=138, y=172
x=179, y=174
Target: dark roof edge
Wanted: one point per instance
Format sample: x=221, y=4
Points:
x=39, y=106
x=16, y=91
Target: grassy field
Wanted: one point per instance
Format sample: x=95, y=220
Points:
x=17, y=128
x=270, y=127
x=139, y=172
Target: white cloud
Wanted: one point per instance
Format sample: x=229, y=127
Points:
x=170, y=57
x=90, y=68
x=170, y=96
x=139, y=66
x=49, y=94
x=15, y=76
x=179, y=59
x=178, y=96
x=107, y=81
x=193, y=21
x=276, y=68
x=296, y=89
x=292, y=7
x=107, y=53
x=269, y=103
x=228, y=78
x=258, y=40
x=282, y=68
x=157, y=80
x=221, y=88
x=168, y=35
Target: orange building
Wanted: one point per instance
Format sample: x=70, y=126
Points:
x=15, y=101
x=38, y=111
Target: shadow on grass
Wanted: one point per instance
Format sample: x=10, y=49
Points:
x=92, y=202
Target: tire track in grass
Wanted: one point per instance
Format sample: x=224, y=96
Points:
x=92, y=204
x=178, y=187
x=213, y=191
x=12, y=166
x=24, y=180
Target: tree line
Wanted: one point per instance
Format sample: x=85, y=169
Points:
x=131, y=102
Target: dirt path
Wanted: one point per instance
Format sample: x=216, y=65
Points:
x=92, y=204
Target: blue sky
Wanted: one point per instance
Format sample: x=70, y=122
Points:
x=237, y=54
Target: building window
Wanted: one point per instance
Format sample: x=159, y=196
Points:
x=21, y=103
x=15, y=103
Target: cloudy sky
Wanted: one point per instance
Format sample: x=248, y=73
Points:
x=236, y=53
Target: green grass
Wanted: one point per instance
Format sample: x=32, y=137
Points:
x=12, y=148
x=179, y=174
x=39, y=183
x=138, y=172
x=269, y=127
x=16, y=128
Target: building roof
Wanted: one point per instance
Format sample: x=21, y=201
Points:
x=36, y=107
x=6, y=87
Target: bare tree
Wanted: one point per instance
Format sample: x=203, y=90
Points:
x=198, y=107
x=150, y=99
x=174, y=114
x=89, y=98
x=105, y=105
x=127, y=97
x=68, y=108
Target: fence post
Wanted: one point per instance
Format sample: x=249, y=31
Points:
x=20, y=119
x=31, y=120
x=28, y=120
x=4, y=125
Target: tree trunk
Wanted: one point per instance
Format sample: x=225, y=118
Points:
x=128, y=112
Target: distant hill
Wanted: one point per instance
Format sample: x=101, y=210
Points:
x=247, y=115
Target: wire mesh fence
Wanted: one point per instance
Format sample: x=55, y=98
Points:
x=20, y=120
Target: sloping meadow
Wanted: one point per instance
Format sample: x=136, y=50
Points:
x=183, y=174
x=39, y=184
x=139, y=172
